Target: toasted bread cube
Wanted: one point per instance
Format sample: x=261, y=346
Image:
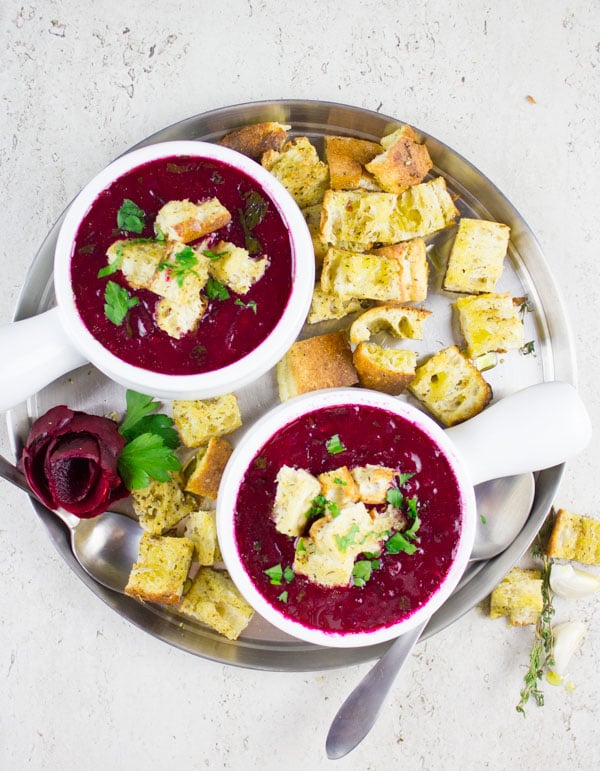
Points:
x=476, y=259
x=322, y=568
x=339, y=486
x=424, y=209
x=356, y=220
x=186, y=221
x=236, y=268
x=298, y=167
x=203, y=472
x=327, y=306
x=346, y=158
x=296, y=489
x=324, y=361
x=181, y=290
x=201, y=529
x=179, y=320
x=351, y=275
x=214, y=600
x=450, y=387
x=403, y=322
x=199, y=419
x=350, y=532
x=312, y=215
x=489, y=322
x=384, y=369
x=411, y=257
x=138, y=260
x=575, y=537
x=404, y=162
x=256, y=139
x=161, y=505
x=373, y=482
x=518, y=596
x=161, y=570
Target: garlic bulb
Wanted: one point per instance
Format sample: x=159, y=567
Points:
x=567, y=581
x=567, y=637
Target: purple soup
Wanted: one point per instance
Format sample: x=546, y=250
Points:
x=403, y=582
x=230, y=328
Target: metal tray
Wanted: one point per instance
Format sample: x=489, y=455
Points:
x=261, y=646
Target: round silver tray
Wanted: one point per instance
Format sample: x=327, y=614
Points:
x=261, y=646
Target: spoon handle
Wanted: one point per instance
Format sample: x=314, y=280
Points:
x=358, y=713
x=13, y=475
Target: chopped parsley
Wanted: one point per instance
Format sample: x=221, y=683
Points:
x=277, y=574
x=215, y=290
x=251, y=304
x=113, y=266
x=184, y=265
x=130, y=217
x=528, y=348
x=117, y=302
x=398, y=543
x=320, y=505
x=343, y=542
x=334, y=445
x=361, y=572
x=283, y=596
x=213, y=255
x=250, y=217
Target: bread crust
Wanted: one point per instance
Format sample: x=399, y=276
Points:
x=256, y=139
x=347, y=157
x=203, y=475
x=384, y=369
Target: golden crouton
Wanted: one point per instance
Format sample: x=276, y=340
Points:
x=296, y=489
x=161, y=570
x=476, y=259
x=312, y=215
x=347, y=157
x=411, y=257
x=161, y=505
x=138, y=259
x=214, y=600
x=404, y=162
x=178, y=320
x=575, y=537
x=397, y=320
x=256, y=139
x=327, y=306
x=204, y=471
x=236, y=268
x=199, y=419
x=384, y=369
x=324, y=361
x=450, y=387
x=373, y=482
x=352, y=275
x=489, y=322
x=186, y=221
x=518, y=596
x=298, y=167
x=322, y=568
x=424, y=209
x=201, y=529
x=338, y=486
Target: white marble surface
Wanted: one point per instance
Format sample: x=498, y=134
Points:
x=81, y=82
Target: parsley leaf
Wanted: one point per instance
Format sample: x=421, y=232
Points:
x=117, y=302
x=113, y=266
x=183, y=265
x=344, y=541
x=334, y=445
x=146, y=457
x=361, y=572
x=253, y=214
x=130, y=217
x=283, y=596
x=320, y=505
x=394, y=497
x=275, y=574
x=161, y=425
x=213, y=255
x=398, y=543
x=251, y=304
x=215, y=290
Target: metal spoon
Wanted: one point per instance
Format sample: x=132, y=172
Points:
x=503, y=506
x=106, y=546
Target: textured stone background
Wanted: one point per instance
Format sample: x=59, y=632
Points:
x=79, y=84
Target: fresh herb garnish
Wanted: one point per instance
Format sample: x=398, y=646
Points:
x=184, y=265
x=275, y=574
x=345, y=541
x=334, y=445
x=213, y=255
x=215, y=290
x=117, y=302
x=338, y=481
x=283, y=596
x=527, y=348
x=250, y=304
x=394, y=497
x=398, y=543
x=140, y=420
x=320, y=505
x=130, y=217
x=288, y=574
x=361, y=572
x=250, y=217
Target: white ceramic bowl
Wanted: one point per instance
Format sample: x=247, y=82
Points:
x=46, y=346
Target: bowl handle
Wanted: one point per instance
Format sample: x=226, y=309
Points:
x=535, y=428
x=33, y=353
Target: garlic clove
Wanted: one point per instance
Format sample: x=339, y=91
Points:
x=567, y=581
x=567, y=637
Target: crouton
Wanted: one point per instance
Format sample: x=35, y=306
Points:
x=423, y=210
x=322, y=568
x=476, y=259
x=180, y=289
x=256, y=139
x=397, y=320
x=327, y=306
x=214, y=600
x=186, y=221
x=179, y=320
x=236, y=268
x=384, y=369
x=161, y=569
x=324, y=361
x=352, y=275
x=312, y=215
x=298, y=167
x=450, y=387
x=411, y=257
x=202, y=474
x=161, y=505
x=138, y=260
x=403, y=163
x=199, y=419
x=373, y=482
x=338, y=486
x=296, y=489
x=201, y=529
x=346, y=158
x=518, y=596
x=489, y=322
x=575, y=537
